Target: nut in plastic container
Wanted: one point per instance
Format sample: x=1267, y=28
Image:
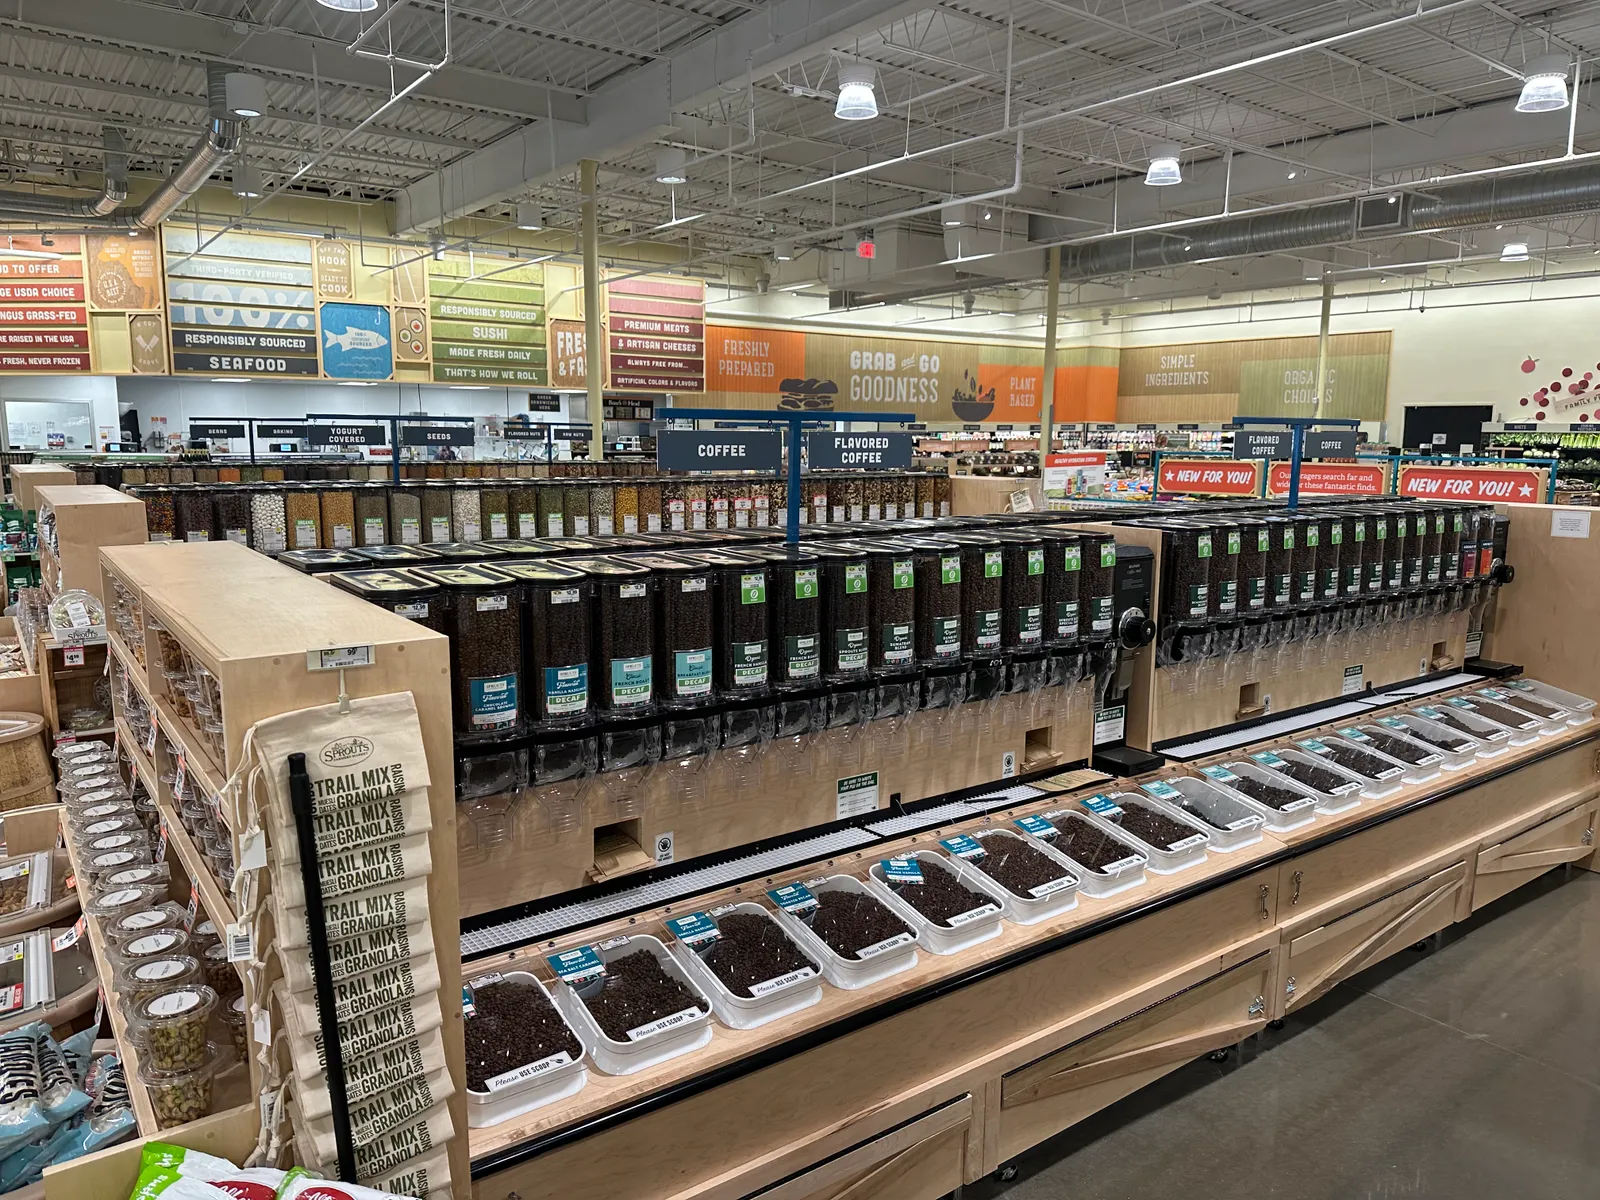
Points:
x=170, y=1029
x=184, y=1095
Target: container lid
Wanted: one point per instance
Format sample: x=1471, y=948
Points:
x=608, y=543
x=312, y=561
x=464, y=577
x=722, y=558
x=601, y=565
x=466, y=552
x=395, y=555
x=841, y=549
x=382, y=586
x=541, y=571
x=788, y=555
x=659, y=562
x=527, y=547
x=185, y=1004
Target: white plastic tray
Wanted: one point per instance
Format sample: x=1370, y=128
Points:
x=532, y=1086
x=1521, y=733
x=797, y=992
x=852, y=973
x=1294, y=815
x=626, y=1058
x=1391, y=775
x=1159, y=859
x=1548, y=726
x=1495, y=739
x=1429, y=764
x=1447, y=760
x=1519, y=693
x=1551, y=694
x=979, y=925
x=1467, y=746
x=1231, y=823
x=1345, y=795
x=1118, y=876
x=1060, y=896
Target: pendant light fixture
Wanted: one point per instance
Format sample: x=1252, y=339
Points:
x=672, y=165
x=857, y=101
x=530, y=216
x=1164, y=170
x=1544, y=87
x=355, y=6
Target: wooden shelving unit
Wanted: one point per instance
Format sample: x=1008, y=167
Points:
x=85, y=518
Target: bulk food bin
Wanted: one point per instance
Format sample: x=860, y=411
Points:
x=1231, y=822
x=584, y=977
x=1380, y=775
x=965, y=929
x=1281, y=803
x=1104, y=860
x=1143, y=824
x=696, y=938
x=1459, y=748
x=1336, y=788
x=1496, y=739
x=799, y=907
x=1027, y=905
x=1520, y=728
x=526, y=1086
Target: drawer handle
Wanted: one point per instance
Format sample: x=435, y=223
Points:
x=1298, y=876
x=1265, y=892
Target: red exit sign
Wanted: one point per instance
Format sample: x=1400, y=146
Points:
x=866, y=248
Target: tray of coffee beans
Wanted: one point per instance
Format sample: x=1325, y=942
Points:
x=1038, y=882
x=848, y=928
x=1281, y=803
x=1229, y=820
x=1378, y=774
x=632, y=1003
x=952, y=905
x=522, y=1052
x=747, y=963
x=1336, y=788
x=1169, y=843
x=1105, y=862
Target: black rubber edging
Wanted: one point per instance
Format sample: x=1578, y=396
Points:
x=693, y=1085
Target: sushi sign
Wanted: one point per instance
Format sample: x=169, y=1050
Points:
x=1489, y=484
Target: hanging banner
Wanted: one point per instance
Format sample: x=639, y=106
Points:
x=863, y=451
x=357, y=342
x=1209, y=477
x=240, y=303
x=44, y=322
x=569, y=362
x=147, y=339
x=1084, y=473
x=718, y=450
x=1489, y=484
x=486, y=321
x=335, y=277
x=1329, y=479
x=655, y=334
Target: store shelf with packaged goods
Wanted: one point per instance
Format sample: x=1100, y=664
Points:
x=134, y=669
x=212, y=900
x=197, y=755
x=141, y=763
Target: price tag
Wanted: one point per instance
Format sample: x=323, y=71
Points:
x=902, y=870
x=338, y=658
x=161, y=842
x=69, y=937
x=252, y=849
x=194, y=907
x=72, y=656
x=241, y=943
x=1102, y=806
x=261, y=1028
x=150, y=741
x=181, y=777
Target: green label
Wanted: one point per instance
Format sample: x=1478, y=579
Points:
x=749, y=663
x=946, y=637
x=993, y=564
x=1313, y=537
x=904, y=576
x=988, y=629
x=1108, y=554
x=1458, y=523
x=1202, y=547
x=1381, y=525
x=1235, y=541
x=630, y=682
x=1228, y=596
x=1036, y=562
x=1263, y=541
x=1197, y=599
x=855, y=578
x=1256, y=591
x=850, y=647
x=1402, y=526
x=1361, y=531
x=753, y=589
x=1067, y=619
x=1072, y=559
x=1337, y=533
x=803, y=656
x=692, y=672
x=1030, y=623
x=805, y=584
x=950, y=568
x=896, y=643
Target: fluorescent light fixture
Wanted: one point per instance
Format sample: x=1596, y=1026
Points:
x=530, y=216
x=246, y=94
x=229, y=379
x=356, y=383
x=857, y=101
x=1164, y=170
x=671, y=165
x=1544, y=87
x=11, y=251
x=800, y=287
x=247, y=182
x=469, y=387
x=1514, y=252
x=954, y=214
x=357, y=6
x=783, y=251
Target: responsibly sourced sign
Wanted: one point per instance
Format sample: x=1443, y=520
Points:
x=1504, y=484
x=868, y=451
x=718, y=450
x=1209, y=477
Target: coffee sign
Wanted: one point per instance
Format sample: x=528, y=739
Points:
x=718, y=450
x=863, y=451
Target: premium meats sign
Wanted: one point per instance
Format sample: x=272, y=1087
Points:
x=656, y=334
x=44, y=321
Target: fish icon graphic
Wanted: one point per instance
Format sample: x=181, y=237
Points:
x=356, y=339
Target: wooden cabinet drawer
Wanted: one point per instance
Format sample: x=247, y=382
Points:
x=1506, y=865
x=1051, y=1093
x=1337, y=948
x=921, y=1160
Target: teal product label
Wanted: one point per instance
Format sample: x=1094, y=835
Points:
x=994, y=564
x=1220, y=774
x=1102, y=806
x=1203, y=546
x=1067, y=619
x=1072, y=559
x=1162, y=791
x=1108, y=554
x=1312, y=745
x=803, y=656
x=697, y=930
x=855, y=579
x=963, y=846
x=1100, y=614
x=749, y=663
x=468, y=1008
x=905, y=576
x=1280, y=590
x=805, y=583
x=950, y=568
x=1035, y=825
x=493, y=701
x=1392, y=723
x=850, y=646
x=1463, y=703
x=1036, y=562
x=575, y=966
x=1255, y=592
x=1228, y=596
x=988, y=629
x=896, y=643
x=902, y=870
x=793, y=898
x=1353, y=734
x=753, y=588
x=1267, y=758
x=1197, y=599
x=1430, y=712
x=630, y=682
x=566, y=690
x=1030, y=624
x=692, y=672
x=946, y=637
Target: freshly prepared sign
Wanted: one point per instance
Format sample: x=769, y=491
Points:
x=718, y=450
x=1209, y=477
x=1471, y=483
x=874, y=451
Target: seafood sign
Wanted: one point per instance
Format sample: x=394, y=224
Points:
x=356, y=341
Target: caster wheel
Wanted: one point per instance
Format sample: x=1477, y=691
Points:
x=1006, y=1173
x=1274, y=1024
x=1420, y=948
x=1218, y=1056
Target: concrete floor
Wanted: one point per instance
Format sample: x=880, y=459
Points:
x=1471, y=1070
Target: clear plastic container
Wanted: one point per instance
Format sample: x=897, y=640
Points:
x=967, y=929
x=1231, y=822
x=1108, y=877
x=1424, y=762
x=1552, y=718
x=1496, y=739
x=130, y=925
x=529, y=1086
x=153, y=976
x=1458, y=748
x=158, y=943
x=872, y=964
x=1520, y=729
x=1337, y=788
x=1049, y=899
x=1239, y=776
x=179, y=1097
x=108, y=905
x=1551, y=695
x=662, y=1040
x=170, y=1028
x=1379, y=774
x=1175, y=856
x=775, y=998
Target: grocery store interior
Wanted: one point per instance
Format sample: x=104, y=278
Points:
x=777, y=600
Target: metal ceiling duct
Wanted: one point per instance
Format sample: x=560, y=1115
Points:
x=1549, y=192
x=216, y=145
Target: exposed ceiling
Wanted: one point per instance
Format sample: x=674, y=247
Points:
x=1046, y=112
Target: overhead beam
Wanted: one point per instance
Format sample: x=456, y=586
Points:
x=637, y=106
x=164, y=32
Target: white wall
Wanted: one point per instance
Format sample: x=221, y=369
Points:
x=98, y=391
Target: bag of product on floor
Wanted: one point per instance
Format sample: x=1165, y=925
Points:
x=361, y=870
x=376, y=1115
x=358, y=1037
x=396, y=905
x=301, y=1185
x=240, y=1183
x=369, y=753
x=369, y=823
x=59, y=1093
x=364, y=952
x=391, y=1067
